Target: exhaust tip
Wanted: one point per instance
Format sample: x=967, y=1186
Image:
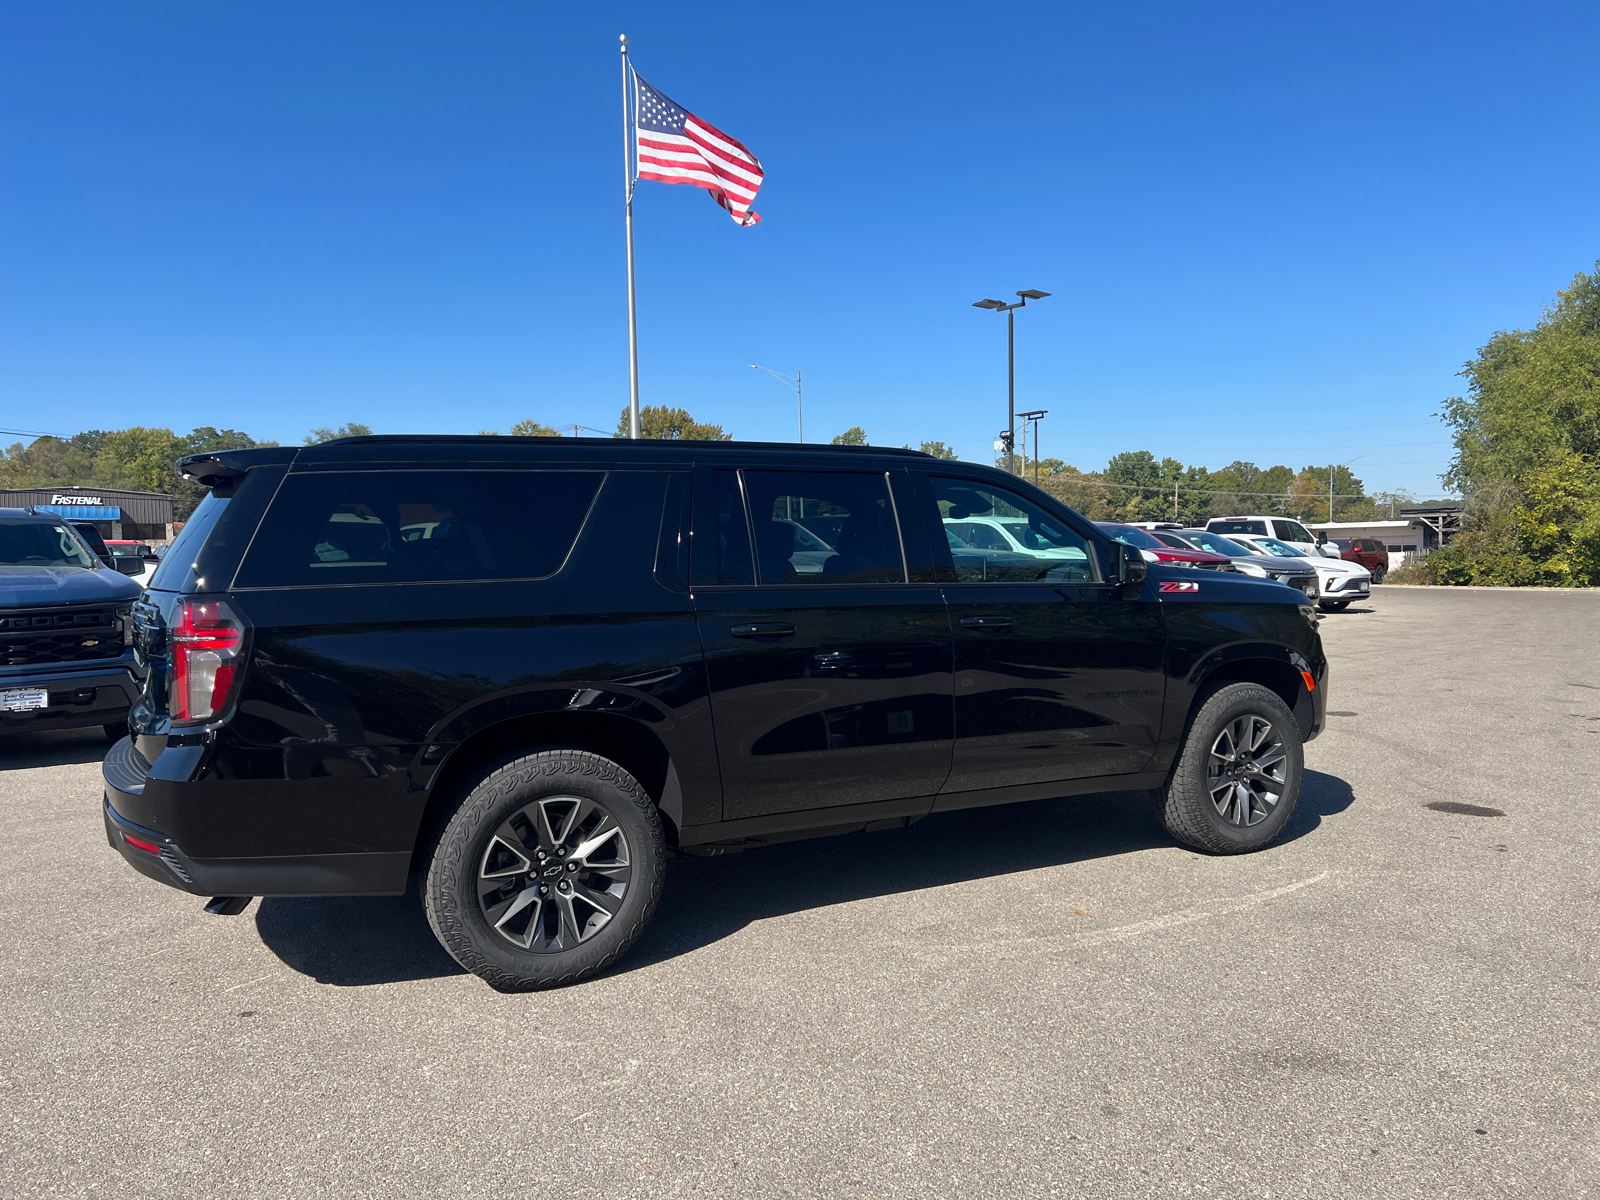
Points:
x=228, y=906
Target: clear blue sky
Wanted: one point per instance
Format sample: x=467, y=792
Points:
x=1273, y=231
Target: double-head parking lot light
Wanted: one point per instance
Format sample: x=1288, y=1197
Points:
x=1011, y=363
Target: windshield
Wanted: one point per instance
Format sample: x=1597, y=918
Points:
x=1219, y=545
x=1276, y=548
x=41, y=544
x=1129, y=536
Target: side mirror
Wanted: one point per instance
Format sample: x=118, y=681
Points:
x=1127, y=566
x=128, y=564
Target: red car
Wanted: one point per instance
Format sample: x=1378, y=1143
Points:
x=1369, y=552
x=1159, y=552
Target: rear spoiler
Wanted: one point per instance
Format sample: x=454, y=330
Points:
x=223, y=468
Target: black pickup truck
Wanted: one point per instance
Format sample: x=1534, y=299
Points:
x=65, y=657
x=530, y=670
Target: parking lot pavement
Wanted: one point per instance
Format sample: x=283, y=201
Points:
x=1038, y=1000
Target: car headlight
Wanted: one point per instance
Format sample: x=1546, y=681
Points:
x=1255, y=569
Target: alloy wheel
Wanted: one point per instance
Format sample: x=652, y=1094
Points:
x=1246, y=775
x=554, y=874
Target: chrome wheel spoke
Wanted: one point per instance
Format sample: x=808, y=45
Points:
x=1248, y=770
x=554, y=873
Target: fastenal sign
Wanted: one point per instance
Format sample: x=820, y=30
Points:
x=90, y=500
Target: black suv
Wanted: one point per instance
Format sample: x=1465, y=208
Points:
x=532, y=669
x=65, y=658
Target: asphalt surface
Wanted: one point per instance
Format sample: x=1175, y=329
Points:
x=1048, y=999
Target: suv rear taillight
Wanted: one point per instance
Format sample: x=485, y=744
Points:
x=206, y=643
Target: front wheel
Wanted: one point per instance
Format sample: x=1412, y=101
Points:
x=548, y=871
x=1334, y=605
x=1238, y=777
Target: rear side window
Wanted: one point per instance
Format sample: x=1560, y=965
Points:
x=1259, y=528
x=418, y=527
x=824, y=527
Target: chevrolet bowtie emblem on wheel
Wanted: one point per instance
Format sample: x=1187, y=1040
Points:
x=1180, y=586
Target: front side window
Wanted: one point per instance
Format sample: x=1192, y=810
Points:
x=822, y=527
x=998, y=536
x=418, y=527
x=42, y=544
x=1289, y=531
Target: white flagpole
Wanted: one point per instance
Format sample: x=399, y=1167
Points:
x=633, y=317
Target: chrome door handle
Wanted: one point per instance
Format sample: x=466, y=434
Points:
x=998, y=624
x=769, y=629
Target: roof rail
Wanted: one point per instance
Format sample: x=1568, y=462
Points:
x=457, y=438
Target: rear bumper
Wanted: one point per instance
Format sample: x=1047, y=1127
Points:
x=100, y=695
x=125, y=774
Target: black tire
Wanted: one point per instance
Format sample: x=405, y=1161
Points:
x=115, y=731
x=1378, y=573
x=1334, y=605
x=1186, y=806
x=555, y=937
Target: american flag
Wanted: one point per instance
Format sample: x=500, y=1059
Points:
x=675, y=146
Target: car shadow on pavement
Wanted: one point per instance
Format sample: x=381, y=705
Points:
x=706, y=900
x=52, y=748
x=350, y=941
x=354, y=941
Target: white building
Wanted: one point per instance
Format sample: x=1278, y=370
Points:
x=1406, y=539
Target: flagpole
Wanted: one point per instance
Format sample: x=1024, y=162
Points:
x=633, y=318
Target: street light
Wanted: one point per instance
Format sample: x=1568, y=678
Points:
x=1011, y=364
x=1025, y=418
x=788, y=380
x=1357, y=458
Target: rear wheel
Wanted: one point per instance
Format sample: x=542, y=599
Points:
x=548, y=872
x=1238, y=777
x=1378, y=573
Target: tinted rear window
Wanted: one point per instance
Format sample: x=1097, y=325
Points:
x=175, y=564
x=418, y=527
x=1256, y=527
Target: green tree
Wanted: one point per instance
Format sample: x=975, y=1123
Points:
x=671, y=424
x=324, y=434
x=534, y=429
x=1527, y=437
x=854, y=436
x=937, y=449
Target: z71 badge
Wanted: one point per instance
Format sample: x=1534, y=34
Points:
x=1180, y=586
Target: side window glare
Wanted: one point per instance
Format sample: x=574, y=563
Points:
x=998, y=536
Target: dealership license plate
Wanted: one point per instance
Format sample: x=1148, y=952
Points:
x=22, y=699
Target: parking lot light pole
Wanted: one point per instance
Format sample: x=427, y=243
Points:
x=1025, y=418
x=794, y=382
x=1011, y=364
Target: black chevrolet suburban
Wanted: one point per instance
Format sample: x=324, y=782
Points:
x=531, y=669
x=65, y=657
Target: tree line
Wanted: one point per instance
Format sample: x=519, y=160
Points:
x=1133, y=486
